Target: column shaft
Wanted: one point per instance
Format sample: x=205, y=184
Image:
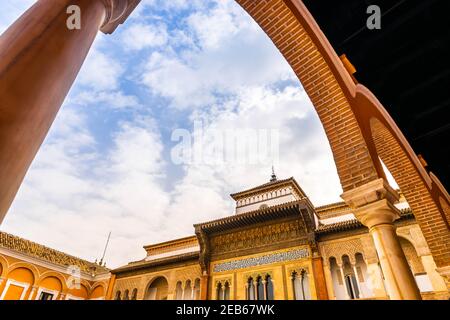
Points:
x=39, y=60
x=344, y=282
x=355, y=270
x=400, y=281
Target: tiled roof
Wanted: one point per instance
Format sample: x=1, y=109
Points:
x=355, y=224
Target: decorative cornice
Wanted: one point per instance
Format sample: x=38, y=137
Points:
x=117, y=11
x=171, y=245
x=32, y=249
x=249, y=218
x=143, y=264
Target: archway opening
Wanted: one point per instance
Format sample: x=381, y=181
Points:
x=157, y=290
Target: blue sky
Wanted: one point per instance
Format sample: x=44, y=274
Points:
x=106, y=164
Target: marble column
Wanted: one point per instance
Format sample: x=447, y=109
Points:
x=355, y=270
x=40, y=57
x=374, y=207
x=344, y=283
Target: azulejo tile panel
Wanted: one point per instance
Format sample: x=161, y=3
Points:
x=262, y=260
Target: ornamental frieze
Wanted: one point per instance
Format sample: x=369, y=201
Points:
x=256, y=237
x=262, y=260
x=33, y=249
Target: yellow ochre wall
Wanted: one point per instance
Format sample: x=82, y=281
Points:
x=20, y=279
x=280, y=273
x=173, y=274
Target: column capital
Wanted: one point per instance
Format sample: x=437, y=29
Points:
x=117, y=11
x=373, y=203
x=377, y=213
x=369, y=193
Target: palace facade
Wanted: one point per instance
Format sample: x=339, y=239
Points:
x=277, y=245
x=30, y=271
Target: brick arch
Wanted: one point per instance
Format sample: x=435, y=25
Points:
x=412, y=257
x=330, y=87
x=413, y=184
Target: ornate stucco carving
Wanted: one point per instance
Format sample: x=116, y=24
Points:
x=36, y=250
x=259, y=236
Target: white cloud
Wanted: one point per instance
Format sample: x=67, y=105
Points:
x=100, y=71
x=140, y=36
x=227, y=73
x=112, y=99
x=231, y=52
x=74, y=195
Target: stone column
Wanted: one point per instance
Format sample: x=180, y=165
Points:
x=376, y=280
x=344, y=283
x=374, y=207
x=355, y=270
x=39, y=61
x=247, y=297
x=264, y=282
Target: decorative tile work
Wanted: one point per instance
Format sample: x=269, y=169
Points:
x=262, y=260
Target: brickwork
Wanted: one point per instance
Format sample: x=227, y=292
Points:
x=353, y=162
x=416, y=193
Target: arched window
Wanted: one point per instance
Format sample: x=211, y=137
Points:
x=269, y=288
x=219, y=295
x=134, y=294
x=226, y=294
x=300, y=282
x=352, y=288
x=158, y=289
x=250, y=289
x=260, y=289
x=197, y=289
x=118, y=295
x=126, y=295
x=188, y=291
x=179, y=291
x=351, y=283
